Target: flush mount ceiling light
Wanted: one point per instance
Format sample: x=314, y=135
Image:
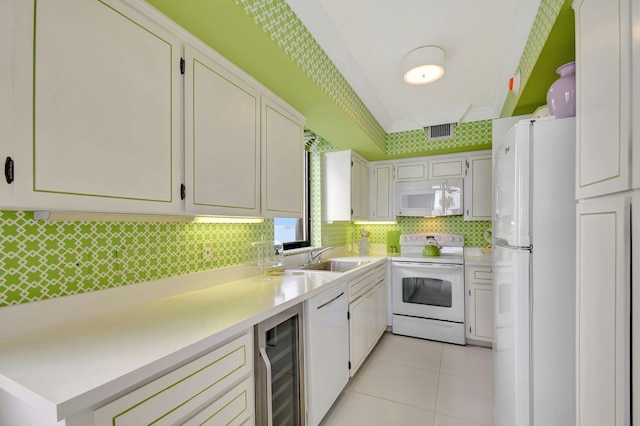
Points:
x=423, y=65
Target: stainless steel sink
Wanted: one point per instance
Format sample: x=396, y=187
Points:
x=334, y=265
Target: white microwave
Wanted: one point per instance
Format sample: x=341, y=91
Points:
x=429, y=198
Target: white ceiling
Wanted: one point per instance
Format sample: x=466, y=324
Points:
x=367, y=40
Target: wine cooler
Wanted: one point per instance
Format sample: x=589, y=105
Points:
x=279, y=370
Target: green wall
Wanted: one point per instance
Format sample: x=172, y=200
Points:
x=41, y=260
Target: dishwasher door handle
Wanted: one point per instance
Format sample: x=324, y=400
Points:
x=267, y=365
x=331, y=301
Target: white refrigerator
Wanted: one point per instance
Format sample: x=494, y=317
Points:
x=534, y=274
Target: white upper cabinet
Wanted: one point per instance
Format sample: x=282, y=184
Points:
x=412, y=170
x=98, y=108
x=360, y=188
x=6, y=101
x=282, y=161
x=97, y=116
x=346, y=186
x=635, y=84
x=222, y=139
x=603, y=34
x=446, y=168
x=381, y=191
x=478, y=193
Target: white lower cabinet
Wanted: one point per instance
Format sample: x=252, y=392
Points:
x=479, y=291
x=215, y=389
x=603, y=311
x=230, y=409
x=357, y=334
x=367, y=314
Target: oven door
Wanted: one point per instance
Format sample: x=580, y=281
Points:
x=428, y=290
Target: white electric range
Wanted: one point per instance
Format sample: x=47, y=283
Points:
x=428, y=291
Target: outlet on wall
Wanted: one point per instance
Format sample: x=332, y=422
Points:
x=207, y=252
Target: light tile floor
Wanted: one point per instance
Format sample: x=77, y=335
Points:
x=407, y=381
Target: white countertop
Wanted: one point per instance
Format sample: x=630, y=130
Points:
x=70, y=367
x=478, y=256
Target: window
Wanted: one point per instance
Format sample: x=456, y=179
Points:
x=294, y=232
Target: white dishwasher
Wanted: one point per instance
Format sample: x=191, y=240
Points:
x=327, y=350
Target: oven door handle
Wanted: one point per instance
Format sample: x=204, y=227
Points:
x=427, y=265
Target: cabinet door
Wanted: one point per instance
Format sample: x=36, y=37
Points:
x=6, y=99
x=282, y=161
x=372, y=319
x=381, y=312
x=337, y=186
x=482, y=299
x=382, y=192
x=222, y=139
x=602, y=110
x=635, y=84
x=478, y=193
x=99, y=109
x=360, y=189
x=603, y=312
x=357, y=333
x=447, y=168
x=635, y=319
x=417, y=170
x=479, y=283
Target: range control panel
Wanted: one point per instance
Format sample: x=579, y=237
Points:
x=445, y=240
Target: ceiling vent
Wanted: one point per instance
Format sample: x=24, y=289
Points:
x=441, y=131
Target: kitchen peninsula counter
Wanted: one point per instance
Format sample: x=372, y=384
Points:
x=75, y=366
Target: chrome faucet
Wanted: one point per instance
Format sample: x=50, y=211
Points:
x=317, y=257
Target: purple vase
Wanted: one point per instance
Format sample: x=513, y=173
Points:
x=561, y=97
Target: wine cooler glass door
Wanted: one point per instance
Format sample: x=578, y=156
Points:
x=279, y=384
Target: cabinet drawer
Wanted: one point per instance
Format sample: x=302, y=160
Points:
x=361, y=285
x=381, y=273
x=483, y=274
x=175, y=396
x=233, y=408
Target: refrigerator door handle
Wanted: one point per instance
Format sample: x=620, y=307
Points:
x=502, y=242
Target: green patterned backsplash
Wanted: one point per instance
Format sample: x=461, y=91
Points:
x=473, y=231
x=41, y=260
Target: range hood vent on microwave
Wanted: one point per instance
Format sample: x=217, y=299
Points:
x=429, y=198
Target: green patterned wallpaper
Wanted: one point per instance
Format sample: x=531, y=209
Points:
x=470, y=136
x=546, y=17
x=41, y=260
x=278, y=20
x=473, y=231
